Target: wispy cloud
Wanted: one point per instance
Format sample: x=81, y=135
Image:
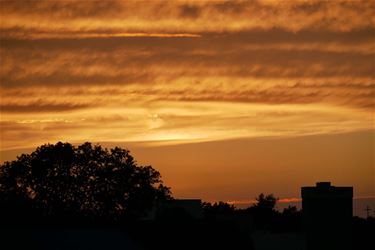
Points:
x=184, y=71
x=39, y=106
x=182, y=16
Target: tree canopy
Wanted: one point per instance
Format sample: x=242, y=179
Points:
x=87, y=180
x=267, y=202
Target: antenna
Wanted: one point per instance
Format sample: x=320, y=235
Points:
x=368, y=209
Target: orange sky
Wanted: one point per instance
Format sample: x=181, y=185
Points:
x=286, y=87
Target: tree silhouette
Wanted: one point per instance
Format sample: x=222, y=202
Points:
x=264, y=211
x=266, y=202
x=87, y=180
x=218, y=208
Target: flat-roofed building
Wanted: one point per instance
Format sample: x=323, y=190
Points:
x=327, y=212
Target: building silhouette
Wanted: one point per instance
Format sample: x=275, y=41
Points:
x=327, y=212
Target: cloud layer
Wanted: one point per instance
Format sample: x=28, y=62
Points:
x=77, y=18
x=184, y=71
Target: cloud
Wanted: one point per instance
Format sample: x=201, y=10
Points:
x=184, y=71
x=213, y=68
x=124, y=61
x=180, y=122
x=186, y=16
x=189, y=11
x=40, y=106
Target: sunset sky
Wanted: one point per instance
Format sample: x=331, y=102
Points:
x=225, y=98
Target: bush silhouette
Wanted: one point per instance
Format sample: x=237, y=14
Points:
x=59, y=180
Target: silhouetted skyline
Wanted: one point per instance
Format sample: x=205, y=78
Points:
x=225, y=98
x=76, y=194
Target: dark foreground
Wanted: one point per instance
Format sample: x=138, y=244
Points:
x=143, y=235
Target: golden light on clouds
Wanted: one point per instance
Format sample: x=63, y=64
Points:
x=184, y=71
x=33, y=18
x=178, y=72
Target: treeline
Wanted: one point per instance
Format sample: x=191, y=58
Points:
x=262, y=215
